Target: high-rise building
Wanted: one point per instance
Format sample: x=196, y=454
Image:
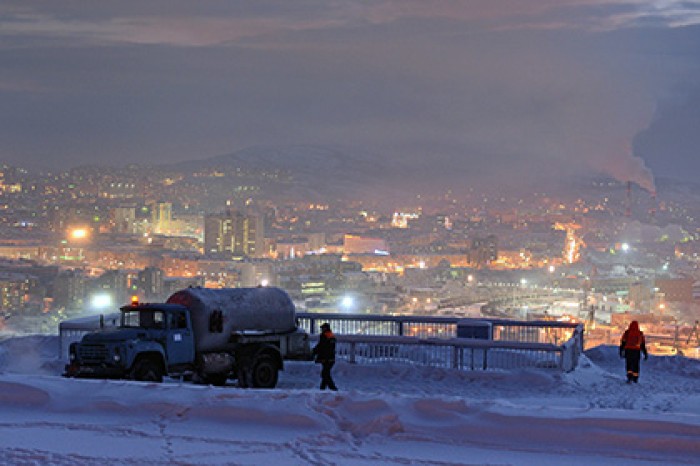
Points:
x=14, y=287
x=161, y=217
x=69, y=290
x=214, y=234
x=483, y=251
x=234, y=233
x=150, y=282
x=124, y=219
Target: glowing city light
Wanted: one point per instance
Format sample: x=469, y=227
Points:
x=101, y=301
x=347, y=302
x=571, y=250
x=79, y=233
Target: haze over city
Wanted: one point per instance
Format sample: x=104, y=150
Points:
x=473, y=91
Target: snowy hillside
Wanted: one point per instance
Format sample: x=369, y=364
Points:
x=383, y=415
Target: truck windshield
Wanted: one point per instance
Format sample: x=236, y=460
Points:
x=143, y=318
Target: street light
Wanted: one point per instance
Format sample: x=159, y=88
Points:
x=101, y=301
x=78, y=233
x=347, y=302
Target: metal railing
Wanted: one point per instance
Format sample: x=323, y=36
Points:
x=433, y=341
x=456, y=353
x=540, y=331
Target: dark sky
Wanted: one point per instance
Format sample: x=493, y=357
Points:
x=481, y=87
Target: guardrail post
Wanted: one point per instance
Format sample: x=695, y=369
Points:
x=351, y=356
x=561, y=359
x=455, y=357
x=485, y=358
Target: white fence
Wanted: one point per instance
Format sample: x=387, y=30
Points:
x=456, y=353
x=432, y=341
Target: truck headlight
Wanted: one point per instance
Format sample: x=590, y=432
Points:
x=117, y=354
x=117, y=358
x=71, y=356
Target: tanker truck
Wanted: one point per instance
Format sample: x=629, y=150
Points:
x=199, y=334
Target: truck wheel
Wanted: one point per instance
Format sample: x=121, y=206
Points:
x=265, y=372
x=147, y=370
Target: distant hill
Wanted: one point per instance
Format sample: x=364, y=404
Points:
x=330, y=173
x=309, y=171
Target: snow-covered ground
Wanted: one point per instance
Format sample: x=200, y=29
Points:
x=386, y=414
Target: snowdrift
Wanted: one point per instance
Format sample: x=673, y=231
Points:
x=385, y=414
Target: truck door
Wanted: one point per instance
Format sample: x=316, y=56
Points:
x=180, y=344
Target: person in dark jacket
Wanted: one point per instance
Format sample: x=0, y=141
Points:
x=632, y=346
x=324, y=351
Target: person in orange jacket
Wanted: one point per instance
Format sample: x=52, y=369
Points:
x=632, y=346
x=324, y=351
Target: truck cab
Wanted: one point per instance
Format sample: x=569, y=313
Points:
x=151, y=340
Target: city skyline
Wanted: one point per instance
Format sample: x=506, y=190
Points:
x=504, y=93
x=189, y=189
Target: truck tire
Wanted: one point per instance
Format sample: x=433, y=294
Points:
x=147, y=370
x=265, y=372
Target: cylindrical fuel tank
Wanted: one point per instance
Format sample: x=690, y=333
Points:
x=216, y=313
